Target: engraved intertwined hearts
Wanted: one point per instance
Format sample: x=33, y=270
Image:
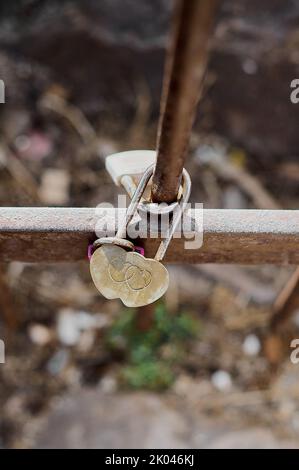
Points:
x=134, y=279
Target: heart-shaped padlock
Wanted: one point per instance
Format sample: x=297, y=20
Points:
x=127, y=275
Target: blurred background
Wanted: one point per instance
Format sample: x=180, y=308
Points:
x=83, y=80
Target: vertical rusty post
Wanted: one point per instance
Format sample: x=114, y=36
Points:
x=284, y=307
x=286, y=302
x=183, y=80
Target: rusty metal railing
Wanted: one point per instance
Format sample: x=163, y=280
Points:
x=183, y=80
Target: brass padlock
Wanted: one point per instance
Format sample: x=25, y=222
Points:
x=119, y=272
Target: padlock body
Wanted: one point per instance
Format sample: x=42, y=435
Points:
x=129, y=276
x=133, y=163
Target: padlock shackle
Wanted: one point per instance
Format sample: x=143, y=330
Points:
x=177, y=215
x=122, y=231
x=177, y=212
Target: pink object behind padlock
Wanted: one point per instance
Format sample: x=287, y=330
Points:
x=137, y=249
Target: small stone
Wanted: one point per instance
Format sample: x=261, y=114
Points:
x=72, y=323
x=251, y=345
x=54, y=188
x=58, y=362
x=67, y=328
x=222, y=380
x=108, y=384
x=39, y=334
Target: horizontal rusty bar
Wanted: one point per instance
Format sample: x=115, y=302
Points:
x=230, y=236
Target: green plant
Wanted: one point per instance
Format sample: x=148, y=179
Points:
x=152, y=356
